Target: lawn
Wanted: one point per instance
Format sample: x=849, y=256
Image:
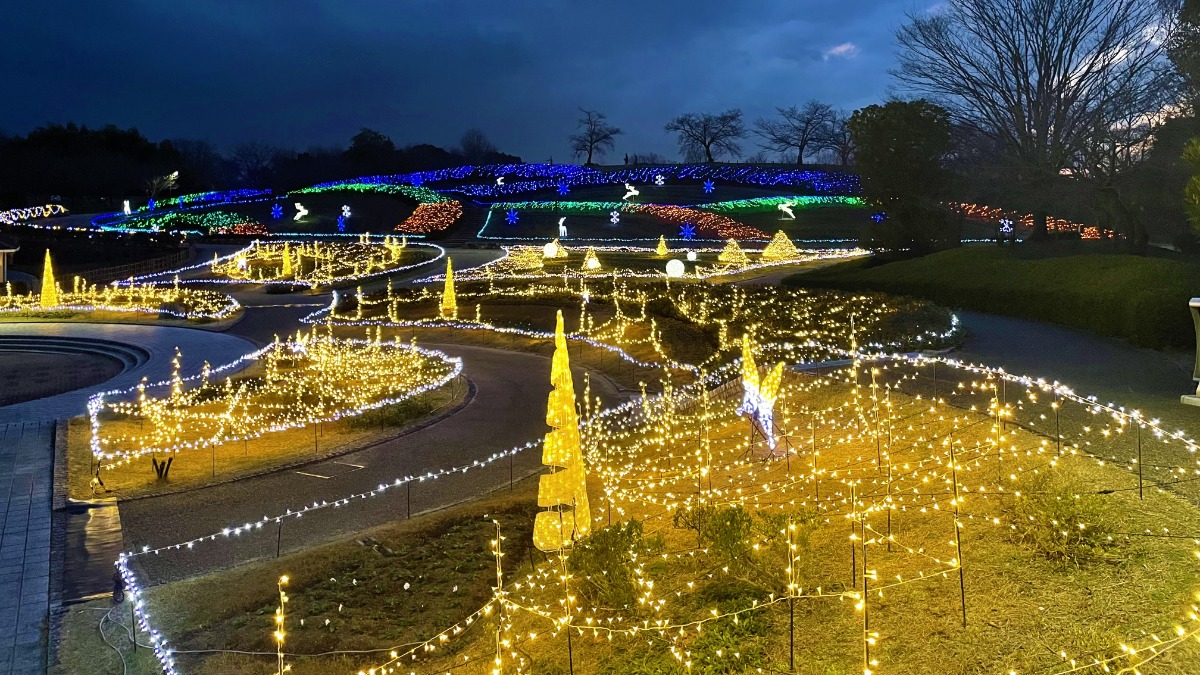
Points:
x=1141, y=299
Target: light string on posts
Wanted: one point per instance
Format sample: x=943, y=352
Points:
x=360, y=253
x=187, y=419
x=172, y=301
x=517, y=263
x=857, y=513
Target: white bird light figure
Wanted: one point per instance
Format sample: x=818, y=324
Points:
x=300, y=211
x=786, y=207
x=630, y=192
x=759, y=393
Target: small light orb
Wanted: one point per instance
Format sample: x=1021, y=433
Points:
x=593, y=264
x=691, y=256
x=675, y=268
x=550, y=250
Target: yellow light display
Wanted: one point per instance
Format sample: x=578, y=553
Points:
x=733, y=254
x=591, y=264
x=564, y=490
x=661, y=249
x=49, y=295
x=781, y=248
x=303, y=381
x=449, y=303
x=159, y=301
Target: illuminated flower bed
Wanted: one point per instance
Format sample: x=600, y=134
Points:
x=157, y=301
x=632, y=262
x=291, y=384
x=993, y=215
x=433, y=217
x=305, y=263
x=627, y=318
x=200, y=222
x=434, y=212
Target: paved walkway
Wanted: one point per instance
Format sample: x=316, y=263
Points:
x=508, y=410
x=26, y=476
x=160, y=341
x=1087, y=362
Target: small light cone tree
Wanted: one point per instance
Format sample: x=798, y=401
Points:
x=591, y=264
x=662, y=245
x=449, y=303
x=564, y=491
x=733, y=254
x=49, y=295
x=780, y=248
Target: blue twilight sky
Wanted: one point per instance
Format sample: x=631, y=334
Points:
x=300, y=73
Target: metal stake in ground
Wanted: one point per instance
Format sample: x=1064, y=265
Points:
x=962, y=584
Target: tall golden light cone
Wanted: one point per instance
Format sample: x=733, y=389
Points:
x=564, y=491
x=449, y=303
x=49, y=295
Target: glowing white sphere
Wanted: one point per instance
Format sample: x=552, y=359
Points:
x=593, y=264
x=691, y=256
x=550, y=250
x=675, y=268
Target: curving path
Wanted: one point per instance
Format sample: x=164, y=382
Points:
x=508, y=410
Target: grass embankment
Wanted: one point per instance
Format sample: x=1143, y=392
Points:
x=429, y=571
x=1142, y=299
x=196, y=468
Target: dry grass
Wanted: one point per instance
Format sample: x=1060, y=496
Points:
x=1023, y=606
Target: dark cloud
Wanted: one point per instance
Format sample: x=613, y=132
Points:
x=311, y=72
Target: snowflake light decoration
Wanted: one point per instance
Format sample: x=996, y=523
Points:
x=417, y=181
x=563, y=188
x=614, y=217
x=150, y=204
x=511, y=217
x=879, y=216
x=659, y=179
x=499, y=181
x=687, y=231
x=709, y=186
x=277, y=212
x=345, y=210
x=1006, y=227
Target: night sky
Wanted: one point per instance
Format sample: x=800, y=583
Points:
x=300, y=73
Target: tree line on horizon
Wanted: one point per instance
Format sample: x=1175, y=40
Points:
x=1080, y=109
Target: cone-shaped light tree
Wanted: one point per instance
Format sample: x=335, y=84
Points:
x=449, y=303
x=591, y=264
x=49, y=295
x=733, y=254
x=759, y=393
x=780, y=248
x=564, y=491
x=662, y=245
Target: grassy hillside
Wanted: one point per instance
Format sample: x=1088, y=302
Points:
x=1142, y=299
